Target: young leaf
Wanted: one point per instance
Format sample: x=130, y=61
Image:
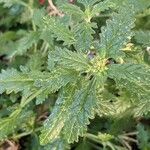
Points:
x=60, y=30
x=117, y=33
x=102, y=6
x=71, y=60
x=88, y=2
x=84, y=35
x=73, y=10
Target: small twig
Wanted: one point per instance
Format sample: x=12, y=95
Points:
x=72, y=1
x=43, y=116
x=53, y=11
x=18, y=136
x=12, y=145
x=131, y=133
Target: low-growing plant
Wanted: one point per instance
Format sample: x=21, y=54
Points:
x=75, y=74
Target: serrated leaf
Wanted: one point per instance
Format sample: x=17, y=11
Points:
x=102, y=6
x=8, y=3
x=117, y=33
x=10, y=124
x=134, y=78
x=35, y=62
x=12, y=80
x=142, y=108
x=143, y=137
x=139, y=5
x=78, y=108
x=143, y=37
x=48, y=37
x=88, y=2
x=60, y=30
x=105, y=103
x=54, y=82
x=71, y=60
x=58, y=144
x=73, y=10
x=25, y=43
x=54, y=124
x=84, y=35
x=38, y=16
x=80, y=111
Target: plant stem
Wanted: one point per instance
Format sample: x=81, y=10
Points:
x=26, y=133
x=25, y=101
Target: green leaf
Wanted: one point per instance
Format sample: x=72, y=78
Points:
x=56, y=80
x=38, y=17
x=36, y=62
x=88, y=2
x=142, y=108
x=73, y=10
x=81, y=110
x=71, y=60
x=10, y=124
x=60, y=30
x=105, y=103
x=117, y=33
x=9, y=3
x=135, y=78
x=58, y=144
x=25, y=43
x=139, y=5
x=102, y=6
x=12, y=80
x=84, y=35
x=143, y=37
x=48, y=37
x=55, y=122
x=143, y=137
x=71, y=114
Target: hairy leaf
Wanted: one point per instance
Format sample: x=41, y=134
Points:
x=134, y=78
x=60, y=30
x=102, y=6
x=143, y=37
x=71, y=60
x=55, y=123
x=12, y=80
x=117, y=33
x=79, y=113
x=10, y=124
x=25, y=43
x=58, y=144
x=84, y=35
x=71, y=114
x=88, y=2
